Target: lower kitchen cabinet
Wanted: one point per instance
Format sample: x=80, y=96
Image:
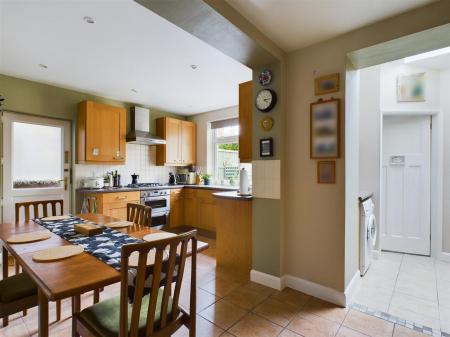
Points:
x=176, y=208
x=193, y=207
x=114, y=204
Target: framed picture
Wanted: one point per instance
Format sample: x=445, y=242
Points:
x=266, y=147
x=326, y=172
x=325, y=129
x=326, y=84
x=411, y=88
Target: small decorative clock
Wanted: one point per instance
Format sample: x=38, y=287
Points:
x=265, y=77
x=265, y=100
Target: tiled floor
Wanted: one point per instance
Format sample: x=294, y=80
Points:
x=414, y=288
x=232, y=306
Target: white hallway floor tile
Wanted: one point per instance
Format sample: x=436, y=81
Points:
x=414, y=288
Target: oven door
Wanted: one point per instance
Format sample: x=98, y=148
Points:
x=156, y=203
x=160, y=219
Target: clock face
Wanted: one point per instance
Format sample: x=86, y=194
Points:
x=265, y=77
x=266, y=100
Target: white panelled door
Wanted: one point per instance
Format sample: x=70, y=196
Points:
x=36, y=161
x=405, y=178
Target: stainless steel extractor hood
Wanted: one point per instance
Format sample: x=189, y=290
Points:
x=140, y=128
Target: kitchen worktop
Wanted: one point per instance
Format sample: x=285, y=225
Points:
x=164, y=187
x=233, y=195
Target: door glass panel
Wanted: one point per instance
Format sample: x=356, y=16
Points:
x=38, y=147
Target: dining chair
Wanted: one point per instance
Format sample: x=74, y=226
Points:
x=40, y=208
x=139, y=214
x=154, y=310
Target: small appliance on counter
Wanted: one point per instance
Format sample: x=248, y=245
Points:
x=181, y=178
x=192, y=178
x=172, y=180
x=244, y=186
x=93, y=182
x=134, y=179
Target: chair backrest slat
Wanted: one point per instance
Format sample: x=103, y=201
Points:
x=35, y=205
x=168, y=288
x=139, y=214
x=176, y=261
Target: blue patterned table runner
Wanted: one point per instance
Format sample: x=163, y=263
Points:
x=105, y=246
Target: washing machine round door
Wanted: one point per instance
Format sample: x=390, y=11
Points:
x=371, y=230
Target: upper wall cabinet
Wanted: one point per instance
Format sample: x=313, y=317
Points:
x=180, y=147
x=101, y=133
x=245, y=121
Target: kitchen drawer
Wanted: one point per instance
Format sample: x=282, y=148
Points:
x=121, y=197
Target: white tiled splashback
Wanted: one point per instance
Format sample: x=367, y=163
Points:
x=140, y=159
x=266, y=179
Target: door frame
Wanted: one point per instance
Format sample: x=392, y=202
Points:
x=24, y=115
x=436, y=174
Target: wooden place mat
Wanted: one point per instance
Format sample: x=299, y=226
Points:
x=158, y=236
x=57, y=253
x=56, y=217
x=29, y=237
x=133, y=259
x=119, y=224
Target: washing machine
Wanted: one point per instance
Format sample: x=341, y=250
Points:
x=368, y=234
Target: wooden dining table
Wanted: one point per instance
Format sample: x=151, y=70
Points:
x=69, y=277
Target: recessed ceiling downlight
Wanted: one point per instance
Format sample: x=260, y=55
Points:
x=89, y=19
x=43, y=66
x=133, y=90
x=194, y=66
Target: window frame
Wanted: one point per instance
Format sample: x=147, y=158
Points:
x=217, y=141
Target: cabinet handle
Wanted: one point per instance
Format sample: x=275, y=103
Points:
x=118, y=158
x=122, y=198
x=95, y=151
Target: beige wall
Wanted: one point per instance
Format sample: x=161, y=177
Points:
x=315, y=228
x=204, y=132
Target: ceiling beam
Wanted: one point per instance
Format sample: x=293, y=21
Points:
x=201, y=18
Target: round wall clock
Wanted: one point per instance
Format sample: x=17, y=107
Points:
x=265, y=100
x=265, y=77
x=266, y=123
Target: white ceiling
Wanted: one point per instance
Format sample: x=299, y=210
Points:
x=294, y=24
x=128, y=47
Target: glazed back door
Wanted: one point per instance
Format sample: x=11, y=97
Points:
x=36, y=161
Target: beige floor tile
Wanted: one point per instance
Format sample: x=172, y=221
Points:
x=255, y=326
x=369, y=325
x=288, y=333
x=401, y=331
x=415, y=310
x=204, y=329
x=442, y=270
x=377, y=298
x=346, y=332
x=204, y=298
x=313, y=326
x=246, y=297
x=221, y=287
x=325, y=309
x=17, y=330
x=424, y=288
x=291, y=296
x=223, y=314
x=444, y=315
x=277, y=312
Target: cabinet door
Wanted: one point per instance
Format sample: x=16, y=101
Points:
x=116, y=211
x=245, y=121
x=173, y=141
x=190, y=207
x=206, y=210
x=105, y=133
x=188, y=143
x=176, y=208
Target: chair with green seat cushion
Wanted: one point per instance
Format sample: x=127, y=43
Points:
x=155, y=314
x=104, y=317
x=17, y=293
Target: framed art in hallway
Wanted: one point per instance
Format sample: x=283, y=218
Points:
x=326, y=172
x=326, y=84
x=411, y=88
x=325, y=129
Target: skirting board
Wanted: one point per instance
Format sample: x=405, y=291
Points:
x=308, y=287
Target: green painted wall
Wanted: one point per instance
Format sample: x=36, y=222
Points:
x=267, y=213
x=50, y=101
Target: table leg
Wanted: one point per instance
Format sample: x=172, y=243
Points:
x=76, y=306
x=5, y=275
x=43, y=314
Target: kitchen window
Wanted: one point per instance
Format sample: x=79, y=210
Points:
x=225, y=148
